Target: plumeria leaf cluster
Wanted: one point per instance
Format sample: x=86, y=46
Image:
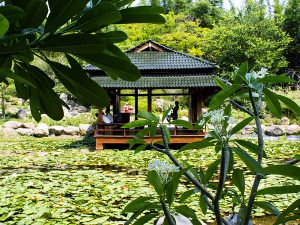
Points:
x=251, y=87
x=164, y=178
x=79, y=29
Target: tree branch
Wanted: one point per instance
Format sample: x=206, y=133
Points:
x=190, y=176
x=242, y=108
x=223, y=174
x=258, y=176
x=167, y=213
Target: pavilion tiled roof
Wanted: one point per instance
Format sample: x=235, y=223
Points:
x=161, y=67
x=165, y=81
x=164, y=61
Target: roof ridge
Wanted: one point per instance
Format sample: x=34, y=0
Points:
x=175, y=51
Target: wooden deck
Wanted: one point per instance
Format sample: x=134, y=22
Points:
x=114, y=134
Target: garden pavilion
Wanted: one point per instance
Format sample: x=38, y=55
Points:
x=161, y=69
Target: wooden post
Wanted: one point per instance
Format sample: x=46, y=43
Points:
x=149, y=100
x=99, y=144
x=193, y=105
x=136, y=103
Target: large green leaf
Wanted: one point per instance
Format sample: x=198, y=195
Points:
x=203, y=204
x=284, y=170
x=136, y=123
x=222, y=95
x=113, y=66
x=250, y=146
x=61, y=12
x=290, y=104
x=166, y=132
x=18, y=78
x=211, y=171
x=35, y=13
x=75, y=43
x=238, y=180
x=154, y=179
x=142, y=14
x=272, y=102
x=113, y=36
x=241, y=125
x=35, y=105
x=144, y=219
x=20, y=3
x=268, y=206
x=251, y=163
x=137, y=204
x=103, y=13
x=79, y=84
x=220, y=82
x=148, y=116
x=172, y=185
x=284, y=215
x=279, y=190
x=4, y=25
x=183, y=123
x=187, y=194
x=199, y=144
x=12, y=13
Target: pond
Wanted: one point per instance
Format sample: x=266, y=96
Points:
x=59, y=181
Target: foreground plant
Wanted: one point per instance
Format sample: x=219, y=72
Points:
x=247, y=87
x=28, y=29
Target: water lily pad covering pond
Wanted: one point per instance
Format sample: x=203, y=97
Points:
x=59, y=181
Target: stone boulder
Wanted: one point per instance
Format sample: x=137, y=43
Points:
x=8, y=132
x=247, y=130
x=81, y=109
x=274, y=131
x=11, y=111
x=25, y=131
x=21, y=114
x=71, y=103
x=292, y=129
x=64, y=97
x=71, y=130
x=41, y=130
x=285, y=121
x=56, y=130
x=67, y=114
x=12, y=124
x=86, y=129
x=28, y=125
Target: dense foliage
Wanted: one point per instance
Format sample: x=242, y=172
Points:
x=30, y=28
x=260, y=32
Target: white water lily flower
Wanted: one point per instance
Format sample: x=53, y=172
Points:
x=163, y=169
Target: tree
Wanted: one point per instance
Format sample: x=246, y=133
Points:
x=179, y=33
x=28, y=32
x=249, y=36
x=291, y=25
x=207, y=12
x=176, y=6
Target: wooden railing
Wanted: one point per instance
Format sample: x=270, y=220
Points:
x=114, y=129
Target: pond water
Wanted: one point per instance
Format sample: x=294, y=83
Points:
x=268, y=220
x=287, y=138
